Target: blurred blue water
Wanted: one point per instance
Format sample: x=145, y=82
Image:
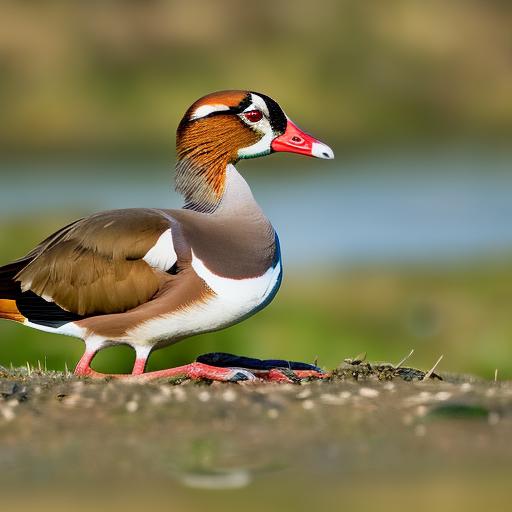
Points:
x=381, y=209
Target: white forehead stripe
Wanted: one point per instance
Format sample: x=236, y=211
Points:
x=259, y=103
x=205, y=110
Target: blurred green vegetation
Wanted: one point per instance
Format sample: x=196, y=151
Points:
x=462, y=312
x=110, y=76
x=88, y=79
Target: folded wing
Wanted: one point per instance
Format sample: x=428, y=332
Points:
x=105, y=263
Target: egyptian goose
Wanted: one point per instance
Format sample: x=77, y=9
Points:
x=150, y=277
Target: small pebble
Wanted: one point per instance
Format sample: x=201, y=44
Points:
x=421, y=410
x=8, y=414
x=308, y=404
x=442, y=395
x=273, y=413
x=71, y=400
x=165, y=390
x=229, y=395
x=204, y=396
x=368, y=392
x=132, y=406
x=331, y=399
x=305, y=393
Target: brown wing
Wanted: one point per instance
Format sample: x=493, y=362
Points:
x=95, y=265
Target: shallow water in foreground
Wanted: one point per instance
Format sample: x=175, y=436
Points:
x=368, y=443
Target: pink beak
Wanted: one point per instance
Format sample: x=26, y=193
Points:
x=295, y=140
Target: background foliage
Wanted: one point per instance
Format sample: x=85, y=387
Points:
x=96, y=85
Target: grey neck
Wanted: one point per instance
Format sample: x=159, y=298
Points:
x=236, y=239
x=237, y=198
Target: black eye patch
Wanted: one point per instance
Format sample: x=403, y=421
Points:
x=278, y=120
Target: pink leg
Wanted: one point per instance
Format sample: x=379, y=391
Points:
x=83, y=368
x=139, y=366
x=141, y=358
x=202, y=371
x=191, y=371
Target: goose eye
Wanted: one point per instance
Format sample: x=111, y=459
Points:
x=253, y=116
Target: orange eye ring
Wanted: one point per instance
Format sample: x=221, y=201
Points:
x=253, y=116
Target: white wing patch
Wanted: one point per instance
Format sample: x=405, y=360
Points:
x=162, y=255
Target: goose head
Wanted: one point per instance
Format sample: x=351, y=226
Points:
x=226, y=126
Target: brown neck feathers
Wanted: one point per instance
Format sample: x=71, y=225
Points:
x=204, y=149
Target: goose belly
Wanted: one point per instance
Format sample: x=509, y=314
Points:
x=232, y=300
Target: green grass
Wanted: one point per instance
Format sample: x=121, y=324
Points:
x=463, y=313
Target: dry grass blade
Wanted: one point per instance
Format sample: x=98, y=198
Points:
x=404, y=359
x=431, y=371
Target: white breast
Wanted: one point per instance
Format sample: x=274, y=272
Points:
x=238, y=290
x=233, y=300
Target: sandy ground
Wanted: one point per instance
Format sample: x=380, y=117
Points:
x=364, y=427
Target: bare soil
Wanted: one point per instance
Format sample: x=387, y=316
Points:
x=367, y=422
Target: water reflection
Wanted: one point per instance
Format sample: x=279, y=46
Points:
x=413, y=207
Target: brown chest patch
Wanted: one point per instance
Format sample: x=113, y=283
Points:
x=205, y=147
